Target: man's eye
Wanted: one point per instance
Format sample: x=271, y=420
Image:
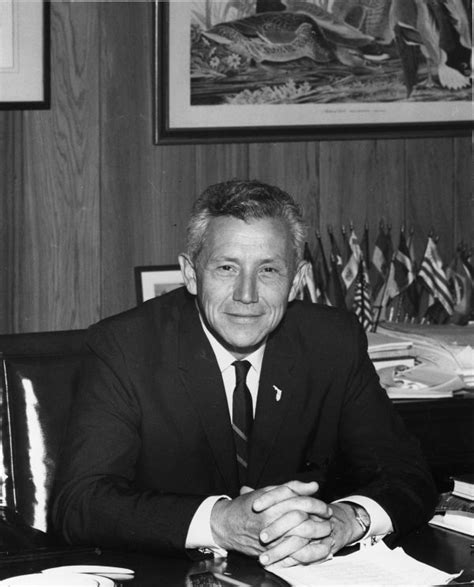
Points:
x=270, y=270
x=225, y=268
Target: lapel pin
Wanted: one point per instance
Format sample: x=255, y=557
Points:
x=278, y=393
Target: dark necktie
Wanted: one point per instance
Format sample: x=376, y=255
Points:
x=242, y=417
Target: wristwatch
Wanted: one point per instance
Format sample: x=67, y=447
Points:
x=361, y=516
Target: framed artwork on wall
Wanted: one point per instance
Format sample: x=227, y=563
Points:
x=24, y=54
x=156, y=280
x=274, y=70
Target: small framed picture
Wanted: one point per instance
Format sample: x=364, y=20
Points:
x=155, y=280
x=24, y=54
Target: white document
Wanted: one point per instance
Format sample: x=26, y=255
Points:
x=454, y=520
x=41, y=580
x=374, y=565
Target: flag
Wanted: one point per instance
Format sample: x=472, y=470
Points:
x=362, y=305
x=405, y=305
x=466, y=257
x=321, y=273
x=410, y=293
x=435, y=283
x=404, y=274
x=335, y=289
x=323, y=270
x=416, y=290
x=309, y=290
x=335, y=251
x=364, y=247
x=460, y=281
x=411, y=249
x=364, y=251
x=346, y=248
x=380, y=266
x=351, y=268
x=390, y=291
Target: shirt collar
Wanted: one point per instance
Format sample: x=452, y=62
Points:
x=225, y=358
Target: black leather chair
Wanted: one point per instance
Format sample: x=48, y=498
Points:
x=39, y=374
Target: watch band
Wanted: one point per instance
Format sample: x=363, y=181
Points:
x=361, y=516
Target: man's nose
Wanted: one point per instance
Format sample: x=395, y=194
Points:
x=246, y=288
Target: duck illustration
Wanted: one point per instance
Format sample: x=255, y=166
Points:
x=272, y=36
x=368, y=16
x=303, y=30
x=440, y=30
x=339, y=30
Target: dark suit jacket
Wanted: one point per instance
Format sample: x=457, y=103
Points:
x=150, y=435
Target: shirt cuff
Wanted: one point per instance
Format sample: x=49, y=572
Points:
x=380, y=522
x=199, y=532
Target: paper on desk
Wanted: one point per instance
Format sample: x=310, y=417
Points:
x=41, y=580
x=423, y=380
x=375, y=565
x=116, y=573
x=72, y=576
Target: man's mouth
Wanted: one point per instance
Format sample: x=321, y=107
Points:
x=243, y=316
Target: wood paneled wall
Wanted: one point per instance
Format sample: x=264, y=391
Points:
x=85, y=196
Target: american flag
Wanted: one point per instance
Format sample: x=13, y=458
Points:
x=362, y=305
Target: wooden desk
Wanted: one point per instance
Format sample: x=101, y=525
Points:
x=448, y=551
x=445, y=429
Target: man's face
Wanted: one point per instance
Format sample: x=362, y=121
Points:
x=243, y=278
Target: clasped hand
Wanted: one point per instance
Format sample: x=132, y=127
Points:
x=282, y=523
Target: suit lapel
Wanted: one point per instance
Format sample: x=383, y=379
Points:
x=202, y=380
x=276, y=390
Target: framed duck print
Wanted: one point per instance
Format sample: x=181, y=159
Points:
x=256, y=70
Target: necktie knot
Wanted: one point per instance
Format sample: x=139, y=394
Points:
x=241, y=370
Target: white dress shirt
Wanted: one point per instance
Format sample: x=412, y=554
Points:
x=199, y=532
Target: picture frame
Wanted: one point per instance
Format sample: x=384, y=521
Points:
x=24, y=54
x=188, y=96
x=155, y=280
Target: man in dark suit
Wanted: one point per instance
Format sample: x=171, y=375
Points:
x=228, y=416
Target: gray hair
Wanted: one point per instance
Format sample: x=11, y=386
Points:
x=246, y=200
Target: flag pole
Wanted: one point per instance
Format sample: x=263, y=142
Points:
x=323, y=255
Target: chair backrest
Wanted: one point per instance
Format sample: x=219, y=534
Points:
x=39, y=374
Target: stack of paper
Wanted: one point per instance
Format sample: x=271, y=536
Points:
x=423, y=380
x=455, y=509
x=382, y=346
x=458, y=521
x=444, y=362
x=465, y=360
x=375, y=565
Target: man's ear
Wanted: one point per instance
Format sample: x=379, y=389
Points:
x=188, y=272
x=298, y=280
